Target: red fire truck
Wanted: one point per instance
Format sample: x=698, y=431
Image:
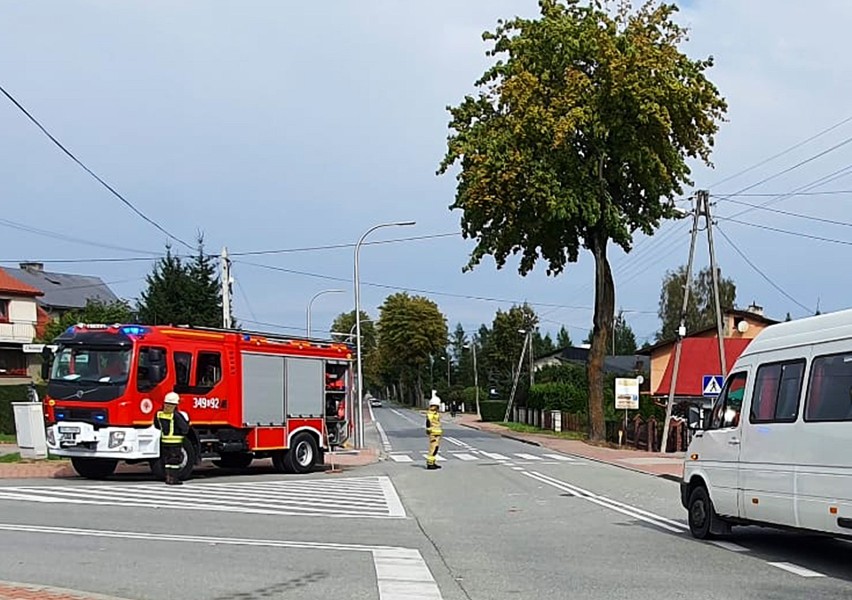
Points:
x=248, y=395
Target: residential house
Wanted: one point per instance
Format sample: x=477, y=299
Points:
x=62, y=292
x=613, y=365
x=700, y=353
x=19, y=317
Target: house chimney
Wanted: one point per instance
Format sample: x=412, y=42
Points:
x=32, y=266
x=755, y=309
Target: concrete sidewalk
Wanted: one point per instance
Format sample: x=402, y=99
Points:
x=668, y=465
x=24, y=591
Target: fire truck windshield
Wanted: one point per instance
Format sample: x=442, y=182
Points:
x=94, y=364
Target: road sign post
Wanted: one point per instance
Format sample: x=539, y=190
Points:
x=626, y=398
x=711, y=385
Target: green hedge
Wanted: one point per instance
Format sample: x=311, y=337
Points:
x=492, y=410
x=567, y=397
x=9, y=394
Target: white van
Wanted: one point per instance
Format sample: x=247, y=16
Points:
x=777, y=447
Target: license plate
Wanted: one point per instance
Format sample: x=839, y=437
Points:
x=69, y=430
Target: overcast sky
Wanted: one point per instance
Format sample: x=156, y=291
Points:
x=276, y=125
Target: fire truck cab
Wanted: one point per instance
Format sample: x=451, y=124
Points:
x=247, y=395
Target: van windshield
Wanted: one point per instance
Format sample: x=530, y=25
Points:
x=102, y=365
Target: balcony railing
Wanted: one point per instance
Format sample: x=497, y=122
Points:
x=22, y=333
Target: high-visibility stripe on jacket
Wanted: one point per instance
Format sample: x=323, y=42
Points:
x=167, y=426
x=433, y=423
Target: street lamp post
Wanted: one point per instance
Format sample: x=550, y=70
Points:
x=310, y=305
x=472, y=346
x=359, y=431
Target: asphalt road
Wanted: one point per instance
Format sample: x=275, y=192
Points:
x=502, y=519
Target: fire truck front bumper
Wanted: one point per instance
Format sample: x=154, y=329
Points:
x=75, y=439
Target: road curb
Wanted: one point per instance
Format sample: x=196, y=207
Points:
x=10, y=590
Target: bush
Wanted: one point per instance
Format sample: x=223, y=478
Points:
x=9, y=394
x=567, y=397
x=492, y=410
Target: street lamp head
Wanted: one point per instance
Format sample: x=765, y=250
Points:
x=406, y=223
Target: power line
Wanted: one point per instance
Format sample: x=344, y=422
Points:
x=791, y=214
x=90, y=172
x=61, y=236
x=348, y=245
x=801, y=163
x=423, y=291
x=788, y=232
x=820, y=181
x=784, y=152
x=245, y=298
x=774, y=194
x=761, y=273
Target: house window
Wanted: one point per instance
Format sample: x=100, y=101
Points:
x=4, y=311
x=12, y=362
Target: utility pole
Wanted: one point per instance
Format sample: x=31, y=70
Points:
x=475, y=377
x=532, y=359
x=515, y=383
x=681, y=330
x=720, y=328
x=226, y=289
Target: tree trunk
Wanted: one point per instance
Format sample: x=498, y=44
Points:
x=603, y=319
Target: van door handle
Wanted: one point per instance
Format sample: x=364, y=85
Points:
x=733, y=442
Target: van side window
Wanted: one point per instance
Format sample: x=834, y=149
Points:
x=830, y=389
x=776, y=392
x=726, y=410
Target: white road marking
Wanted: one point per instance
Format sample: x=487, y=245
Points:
x=461, y=456
x=401, y=458
x=439, y=457
x=517, y=468
x=406, y=417
x=561, y=457
x=494, y=455
x=401, y=573
x=614, y=505
x=386, y=445
x=353, y=497
x=729, y=546
x=527, y=456
x=796, y=569
x=454, y=441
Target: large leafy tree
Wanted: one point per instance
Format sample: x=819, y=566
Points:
x=344, y=323
x=579, y=136
x=700, y=310
x=95, y=311
x=412, y=331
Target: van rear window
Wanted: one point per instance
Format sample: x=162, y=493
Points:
x=830, y=389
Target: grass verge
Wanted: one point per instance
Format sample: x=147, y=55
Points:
x=523, y=428
x=15, y=457
x=8, y=438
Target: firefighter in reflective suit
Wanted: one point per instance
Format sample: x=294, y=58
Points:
x=173, y=425
x=434, y=431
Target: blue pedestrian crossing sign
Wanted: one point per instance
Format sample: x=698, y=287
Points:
x=711, y=385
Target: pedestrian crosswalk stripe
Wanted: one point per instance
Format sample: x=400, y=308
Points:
x=365, y=497
x=495, y=456
x=401, y=458
x=466, y=457
x=454, y=441
x=559, y=457
x=527, y=456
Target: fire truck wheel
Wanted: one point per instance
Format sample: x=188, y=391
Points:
x=187, y=463
x=94, y=468
x=280, y=462
x=303, y=454
x=234, y=460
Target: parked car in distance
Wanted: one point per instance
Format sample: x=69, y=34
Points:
x=375, y=402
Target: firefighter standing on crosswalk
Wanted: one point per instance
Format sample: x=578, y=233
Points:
x=434, y=431
x=173, y=426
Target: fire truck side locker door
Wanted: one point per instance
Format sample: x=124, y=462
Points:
x=305, y=383
x=263, y=389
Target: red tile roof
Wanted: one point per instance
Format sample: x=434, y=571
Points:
x=699, y=357
x=10, y=285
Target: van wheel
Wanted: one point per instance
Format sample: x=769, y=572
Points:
x=303, y=454
x=94, y=468
x=704, y=523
